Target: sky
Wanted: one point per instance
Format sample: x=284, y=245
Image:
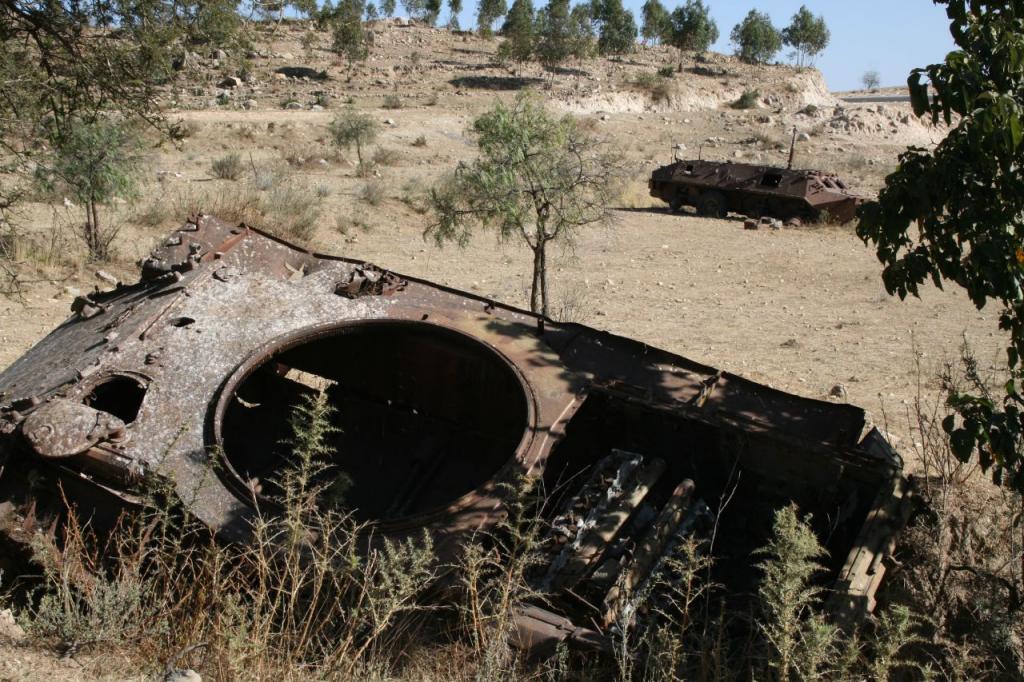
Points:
x=889, y=36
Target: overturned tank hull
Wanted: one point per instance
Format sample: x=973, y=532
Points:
x=440, y=398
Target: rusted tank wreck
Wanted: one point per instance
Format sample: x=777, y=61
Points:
x=717, y=188
x=441, y=395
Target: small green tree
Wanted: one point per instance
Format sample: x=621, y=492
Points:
x=95, y=162
x=807, y=35
x=518, y=32
x=871, y=79
x=956, y=213
x=350, y=128
x=387, y=8
x=349, y=36
x=488, y=12
x=693, y=29
x=538, y=180
x=553, y=31
x=756, y=39
x=657, y=22
x=616, y=32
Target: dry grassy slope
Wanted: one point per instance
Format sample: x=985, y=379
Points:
x=798, y=309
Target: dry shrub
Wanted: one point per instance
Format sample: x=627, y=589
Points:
x=227, y=167
x=750, y=99
x=280, y=205
x=960, y=562
x=657, y=87
x=416, y=196
x=385, y=156
x=392, y=101
x=309, y=155
x=374, y=192
x=420, y=141
x=183, y=129
x=587, y=124
x=636, y=194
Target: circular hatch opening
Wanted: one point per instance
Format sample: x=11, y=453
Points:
x=424, y=415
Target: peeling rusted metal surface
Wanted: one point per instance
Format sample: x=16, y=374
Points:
x=441, y=398
x=716, y=188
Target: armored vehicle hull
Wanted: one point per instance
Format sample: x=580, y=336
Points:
x=442, y=397
x=717, y=188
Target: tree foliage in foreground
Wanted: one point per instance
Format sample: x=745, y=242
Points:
x=539, y=179
x=956, y=213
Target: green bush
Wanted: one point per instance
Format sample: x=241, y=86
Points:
x=748, y=100
x=667, y=71
x=228, y=167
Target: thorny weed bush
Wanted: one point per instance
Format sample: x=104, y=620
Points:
x=493, y=572
x=300, y=599
x=227, y=167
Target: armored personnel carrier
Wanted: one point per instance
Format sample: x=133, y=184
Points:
x=716, y=188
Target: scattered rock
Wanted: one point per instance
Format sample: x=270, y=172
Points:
x=186, y=675
x=229, y=82
x=9, y=628
x=249, y=104
x=750, y=224
x=107, y=277
x=389, y=122
x=803, y=137
x=316, y=107
x=605, y=117
x=838, y=391
x=293, y=105
x=680, y=147
x=790, y=343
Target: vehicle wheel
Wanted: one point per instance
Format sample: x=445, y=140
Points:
x=712, y=204
x=676, y=204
